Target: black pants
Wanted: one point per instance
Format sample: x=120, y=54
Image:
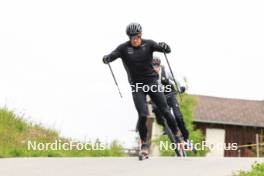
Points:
x=174, y=105
x=159, y=99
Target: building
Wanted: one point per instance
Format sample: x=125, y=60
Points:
x=226, y=120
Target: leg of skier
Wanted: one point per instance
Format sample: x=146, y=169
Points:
x=172, y=102
x=158, y=114
x=140, y=102
x=169, y=122
x=159, y=99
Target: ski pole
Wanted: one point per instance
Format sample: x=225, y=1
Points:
x=114, y=79
x=176, y=85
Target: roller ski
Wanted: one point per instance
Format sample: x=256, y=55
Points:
x=180, y=149
x=176, y=139
x=144, y=152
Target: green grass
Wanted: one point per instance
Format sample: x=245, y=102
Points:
x=15, y=132
x=187, y=104
x=257, y=169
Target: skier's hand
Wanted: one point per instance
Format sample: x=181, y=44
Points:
x=182, y=89
x=106, y=59
x=165, y=47
x=164, y=80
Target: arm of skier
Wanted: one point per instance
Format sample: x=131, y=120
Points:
x=181, y=85
x=112, y=56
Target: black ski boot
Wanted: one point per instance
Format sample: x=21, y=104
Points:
x=144, y=151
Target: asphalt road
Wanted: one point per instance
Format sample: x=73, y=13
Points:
x=156, y=166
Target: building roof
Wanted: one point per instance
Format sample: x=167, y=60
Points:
x=229, y=111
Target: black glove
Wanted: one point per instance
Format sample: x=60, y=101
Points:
x=164, y=80
x=106, y=59
x=165, y=47
x=182, y=89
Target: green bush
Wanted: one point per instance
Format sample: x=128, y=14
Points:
x=257, y=169
x=15, y=131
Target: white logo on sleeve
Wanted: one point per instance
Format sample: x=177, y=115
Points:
x=130, y=50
